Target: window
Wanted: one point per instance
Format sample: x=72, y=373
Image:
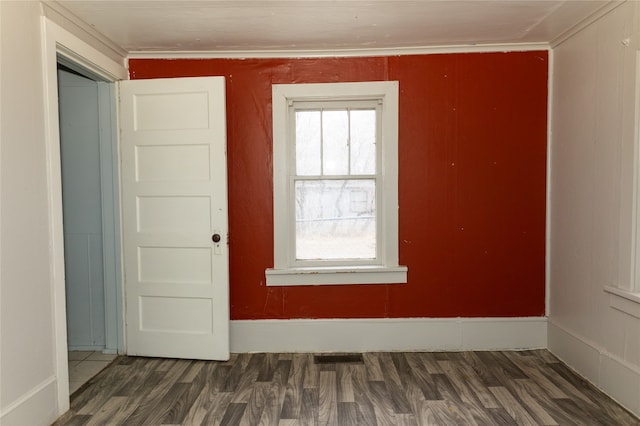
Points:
x=625, y=296
x=335, y=173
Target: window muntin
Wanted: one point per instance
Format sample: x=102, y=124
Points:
x=335, y=182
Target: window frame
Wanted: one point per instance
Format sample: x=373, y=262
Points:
x=287, y=271
x=625, y=295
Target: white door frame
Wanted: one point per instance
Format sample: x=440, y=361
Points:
x=58, y=42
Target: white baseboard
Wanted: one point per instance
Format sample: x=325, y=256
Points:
x=614, y=376
x=36, y=407
x=388, y=334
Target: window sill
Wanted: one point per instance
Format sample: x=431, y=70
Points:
x=624, y=300
x=337, y=276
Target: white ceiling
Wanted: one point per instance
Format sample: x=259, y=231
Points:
x=241, y=25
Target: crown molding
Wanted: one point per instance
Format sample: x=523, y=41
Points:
x=324, y=53
x=60, y=15
x=605, y=9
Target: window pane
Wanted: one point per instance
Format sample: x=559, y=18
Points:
x=308, y=143
x=363, y=142
x=335, y=219
x=335, y=131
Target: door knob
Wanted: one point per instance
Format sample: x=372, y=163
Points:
x=215, y=238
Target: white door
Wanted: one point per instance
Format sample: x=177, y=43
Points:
x=174, y=206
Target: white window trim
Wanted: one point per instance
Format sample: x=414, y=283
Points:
x=387, y=271
x=634, y=286
x=626, y=298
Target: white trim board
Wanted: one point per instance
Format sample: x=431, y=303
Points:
x=58, y=41
x=36, y=404
x=388, y=334
x=57, y=13
x=339, y=53
x=617, y=378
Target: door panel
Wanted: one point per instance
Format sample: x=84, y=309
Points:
x=78, y=103
x=174, y=199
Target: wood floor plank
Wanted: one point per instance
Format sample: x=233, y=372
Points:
x=248, y=378
x=534, y=371
x=104, y=380
x=361, y=392
x=209, y=407
x=150, y=401
x=549, y=404
x=344, y=377
x=599, y=415
x=193, y=371
x=272, y=407
x=166, y=364
x=475, y=384
x=503, y=365
x=107, y=412
x=255, y=404
x=484, y=373
x=472, y=407
x=328, y=404
x=374, y=372
x=219, y=377
x=573, y=411
x=406, y=420
x=500, y=417
x=475, y=396
x=173, y=398
x=133, y=401
x=382, y=404
x=430, y=362
x=295, y=385
x=233, y=414
x=579, y=387
x=196, y=383
x=444, y=388
x=414, y=396
x=394, y=385
x=235, y=373
x=443, y=413
x=102, y=392
x=311, y=374
x=533, y=407
x=268, y=368
x=422, y=377
x=347, y=413
x=200, y=406
x=74, y=420
x=275, y=393
x=567, y=387
x=512, y=406
x=138, y=370
x=310, y=407
x=459, y=384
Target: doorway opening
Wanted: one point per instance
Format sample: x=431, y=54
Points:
x=88, y=161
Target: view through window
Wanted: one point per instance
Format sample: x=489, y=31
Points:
x=335, y=183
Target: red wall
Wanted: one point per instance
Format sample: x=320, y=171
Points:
x=472, y=153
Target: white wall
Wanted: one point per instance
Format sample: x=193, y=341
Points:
x=592, y=107
x=27, y=382
x=32, y=334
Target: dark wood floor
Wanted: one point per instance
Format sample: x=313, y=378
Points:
x=442, y=388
